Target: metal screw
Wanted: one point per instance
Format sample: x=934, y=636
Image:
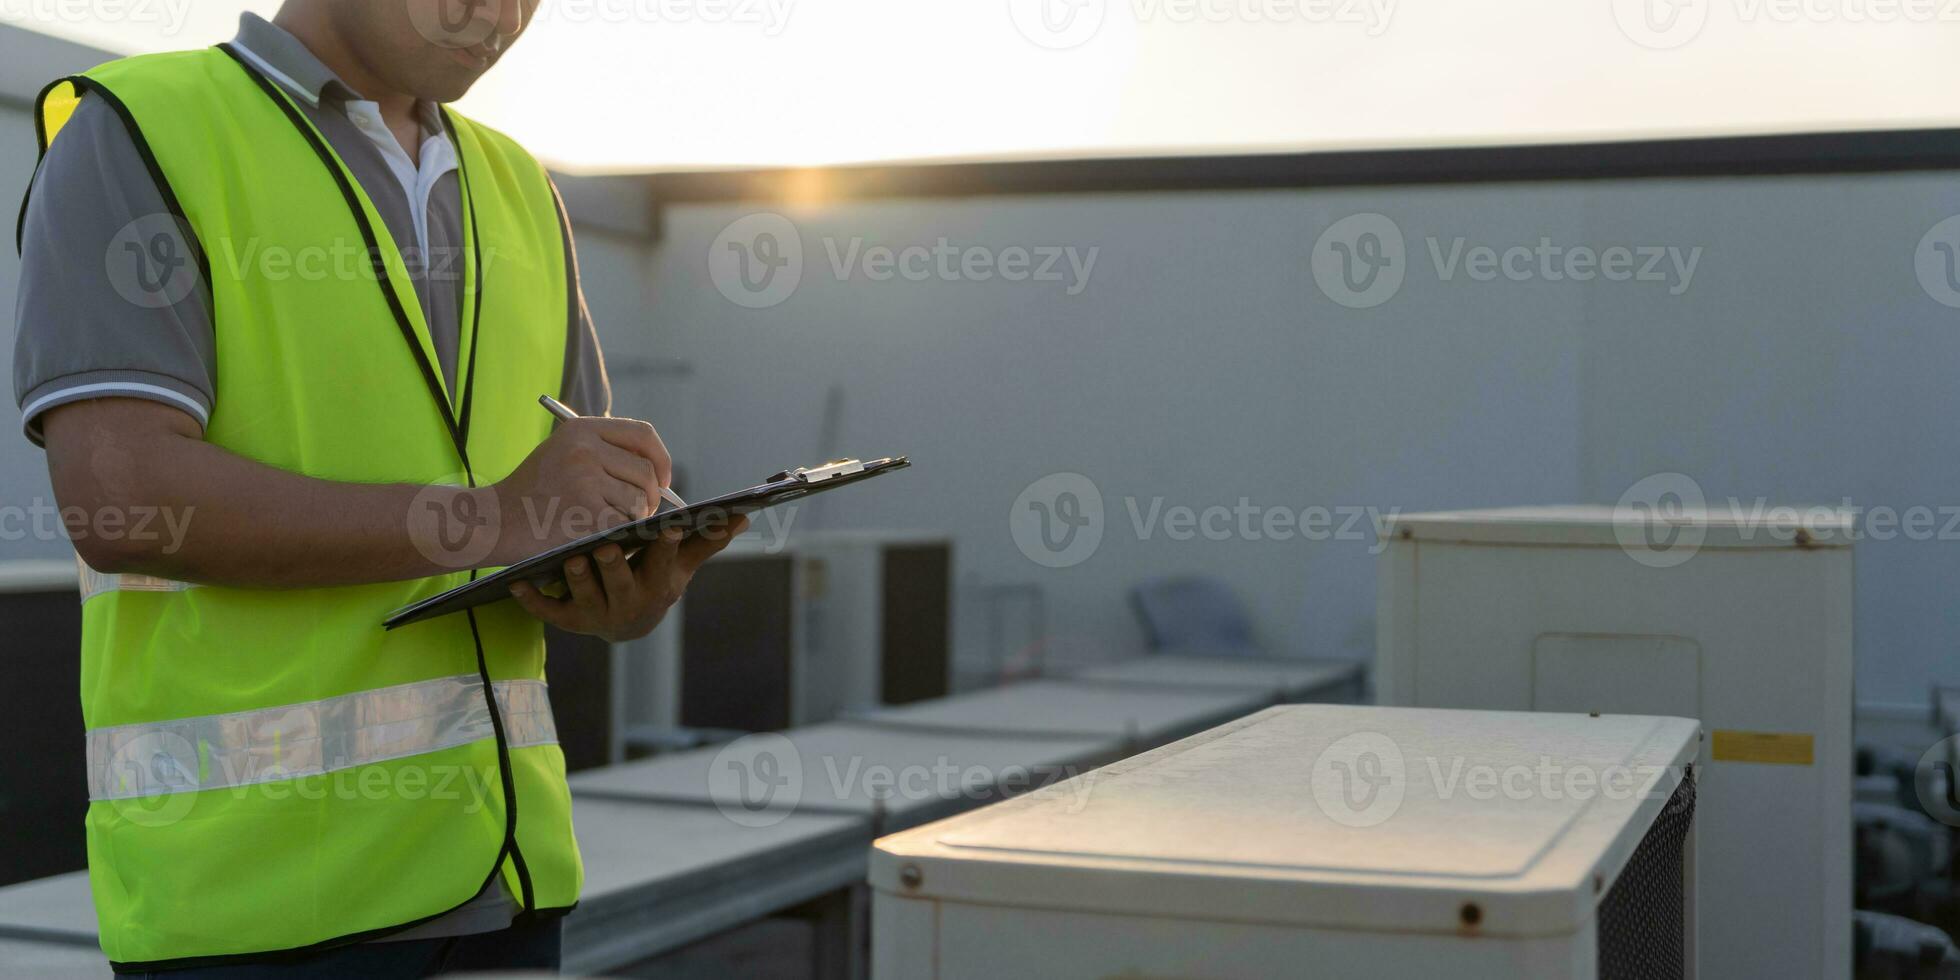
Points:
x=910, y=876
x=1471, y=914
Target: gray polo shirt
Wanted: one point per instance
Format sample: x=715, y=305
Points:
x=79, y=337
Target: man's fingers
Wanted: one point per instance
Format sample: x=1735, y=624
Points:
x=632, y=469
x=658, y=559
x=624, y=502
x=702, y=547
x=544, y=608
x=614, y=574
x=640, y=439
x=586, y=593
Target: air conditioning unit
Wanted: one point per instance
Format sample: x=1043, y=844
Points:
x=1325, y=840
x=1742, y=620
x=775, y=634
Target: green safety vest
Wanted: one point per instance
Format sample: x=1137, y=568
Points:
x=270, y=771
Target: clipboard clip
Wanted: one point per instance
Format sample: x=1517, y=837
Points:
x=818, y=474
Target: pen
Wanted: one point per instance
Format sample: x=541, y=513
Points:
x=558, y=408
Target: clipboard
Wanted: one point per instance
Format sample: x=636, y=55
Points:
x=547, y=569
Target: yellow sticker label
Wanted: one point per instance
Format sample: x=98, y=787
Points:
x=1776, y=748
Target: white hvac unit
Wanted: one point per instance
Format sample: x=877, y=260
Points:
x=1322, y=840
x=1739, y=620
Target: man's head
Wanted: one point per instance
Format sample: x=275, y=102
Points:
x=431, y=49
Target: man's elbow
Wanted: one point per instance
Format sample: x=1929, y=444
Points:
x=113, y=546
x=107, y=557
x=109, y=462
x=121, y=522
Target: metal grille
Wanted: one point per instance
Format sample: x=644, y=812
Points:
x=1642, y=920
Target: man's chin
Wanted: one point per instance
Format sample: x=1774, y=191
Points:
x=440, y=76
x=447, y=89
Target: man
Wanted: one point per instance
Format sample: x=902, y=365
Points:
x=276, y=292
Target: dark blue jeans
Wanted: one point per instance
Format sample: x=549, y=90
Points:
x=531, y=945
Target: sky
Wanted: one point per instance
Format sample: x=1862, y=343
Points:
x=642, y=85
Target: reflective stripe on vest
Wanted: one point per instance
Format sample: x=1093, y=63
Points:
x=94, y=583
x=265, y=745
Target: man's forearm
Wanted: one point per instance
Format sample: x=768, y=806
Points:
x=221, y=519
x=248, y=524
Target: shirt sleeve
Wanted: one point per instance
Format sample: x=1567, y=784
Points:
x=112, y=300
x=587, y=390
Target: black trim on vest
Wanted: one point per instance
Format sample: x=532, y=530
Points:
x=467, y=384
x=505, y=771
x=90, y=86
x=373, y=241
x=299, y=953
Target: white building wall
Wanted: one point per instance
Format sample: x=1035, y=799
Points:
x=1201, y=364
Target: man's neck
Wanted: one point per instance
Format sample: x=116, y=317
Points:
x=309, y=24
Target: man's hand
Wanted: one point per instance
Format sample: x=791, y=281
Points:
x=591, y=474
x=615, y=601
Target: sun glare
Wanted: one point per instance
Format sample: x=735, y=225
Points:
x=610, y=85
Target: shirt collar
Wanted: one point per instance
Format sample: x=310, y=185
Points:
x=283, y=58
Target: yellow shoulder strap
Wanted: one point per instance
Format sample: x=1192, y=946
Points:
x=57, y=107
